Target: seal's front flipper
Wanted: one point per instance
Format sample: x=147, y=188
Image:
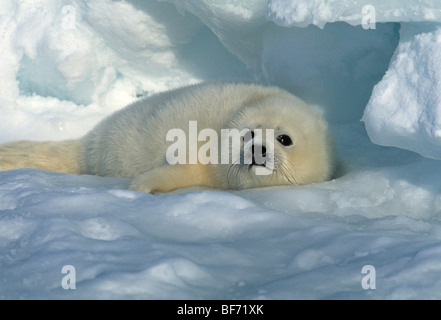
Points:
x=170, y=177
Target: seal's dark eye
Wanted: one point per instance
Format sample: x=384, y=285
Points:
x=284, y=140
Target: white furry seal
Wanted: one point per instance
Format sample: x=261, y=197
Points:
x=132, y=142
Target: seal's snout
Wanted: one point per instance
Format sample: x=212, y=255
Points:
x=255, y=151
x=259, y=154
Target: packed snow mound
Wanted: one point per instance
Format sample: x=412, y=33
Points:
x=84, y=54
x=405, y=107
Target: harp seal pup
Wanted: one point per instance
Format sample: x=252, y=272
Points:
x=132, y=142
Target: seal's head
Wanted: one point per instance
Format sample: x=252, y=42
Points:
x=283, y=142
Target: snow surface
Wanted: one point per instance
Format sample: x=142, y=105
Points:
x=67, y=64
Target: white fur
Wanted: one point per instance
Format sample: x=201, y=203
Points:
x=132, y=142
